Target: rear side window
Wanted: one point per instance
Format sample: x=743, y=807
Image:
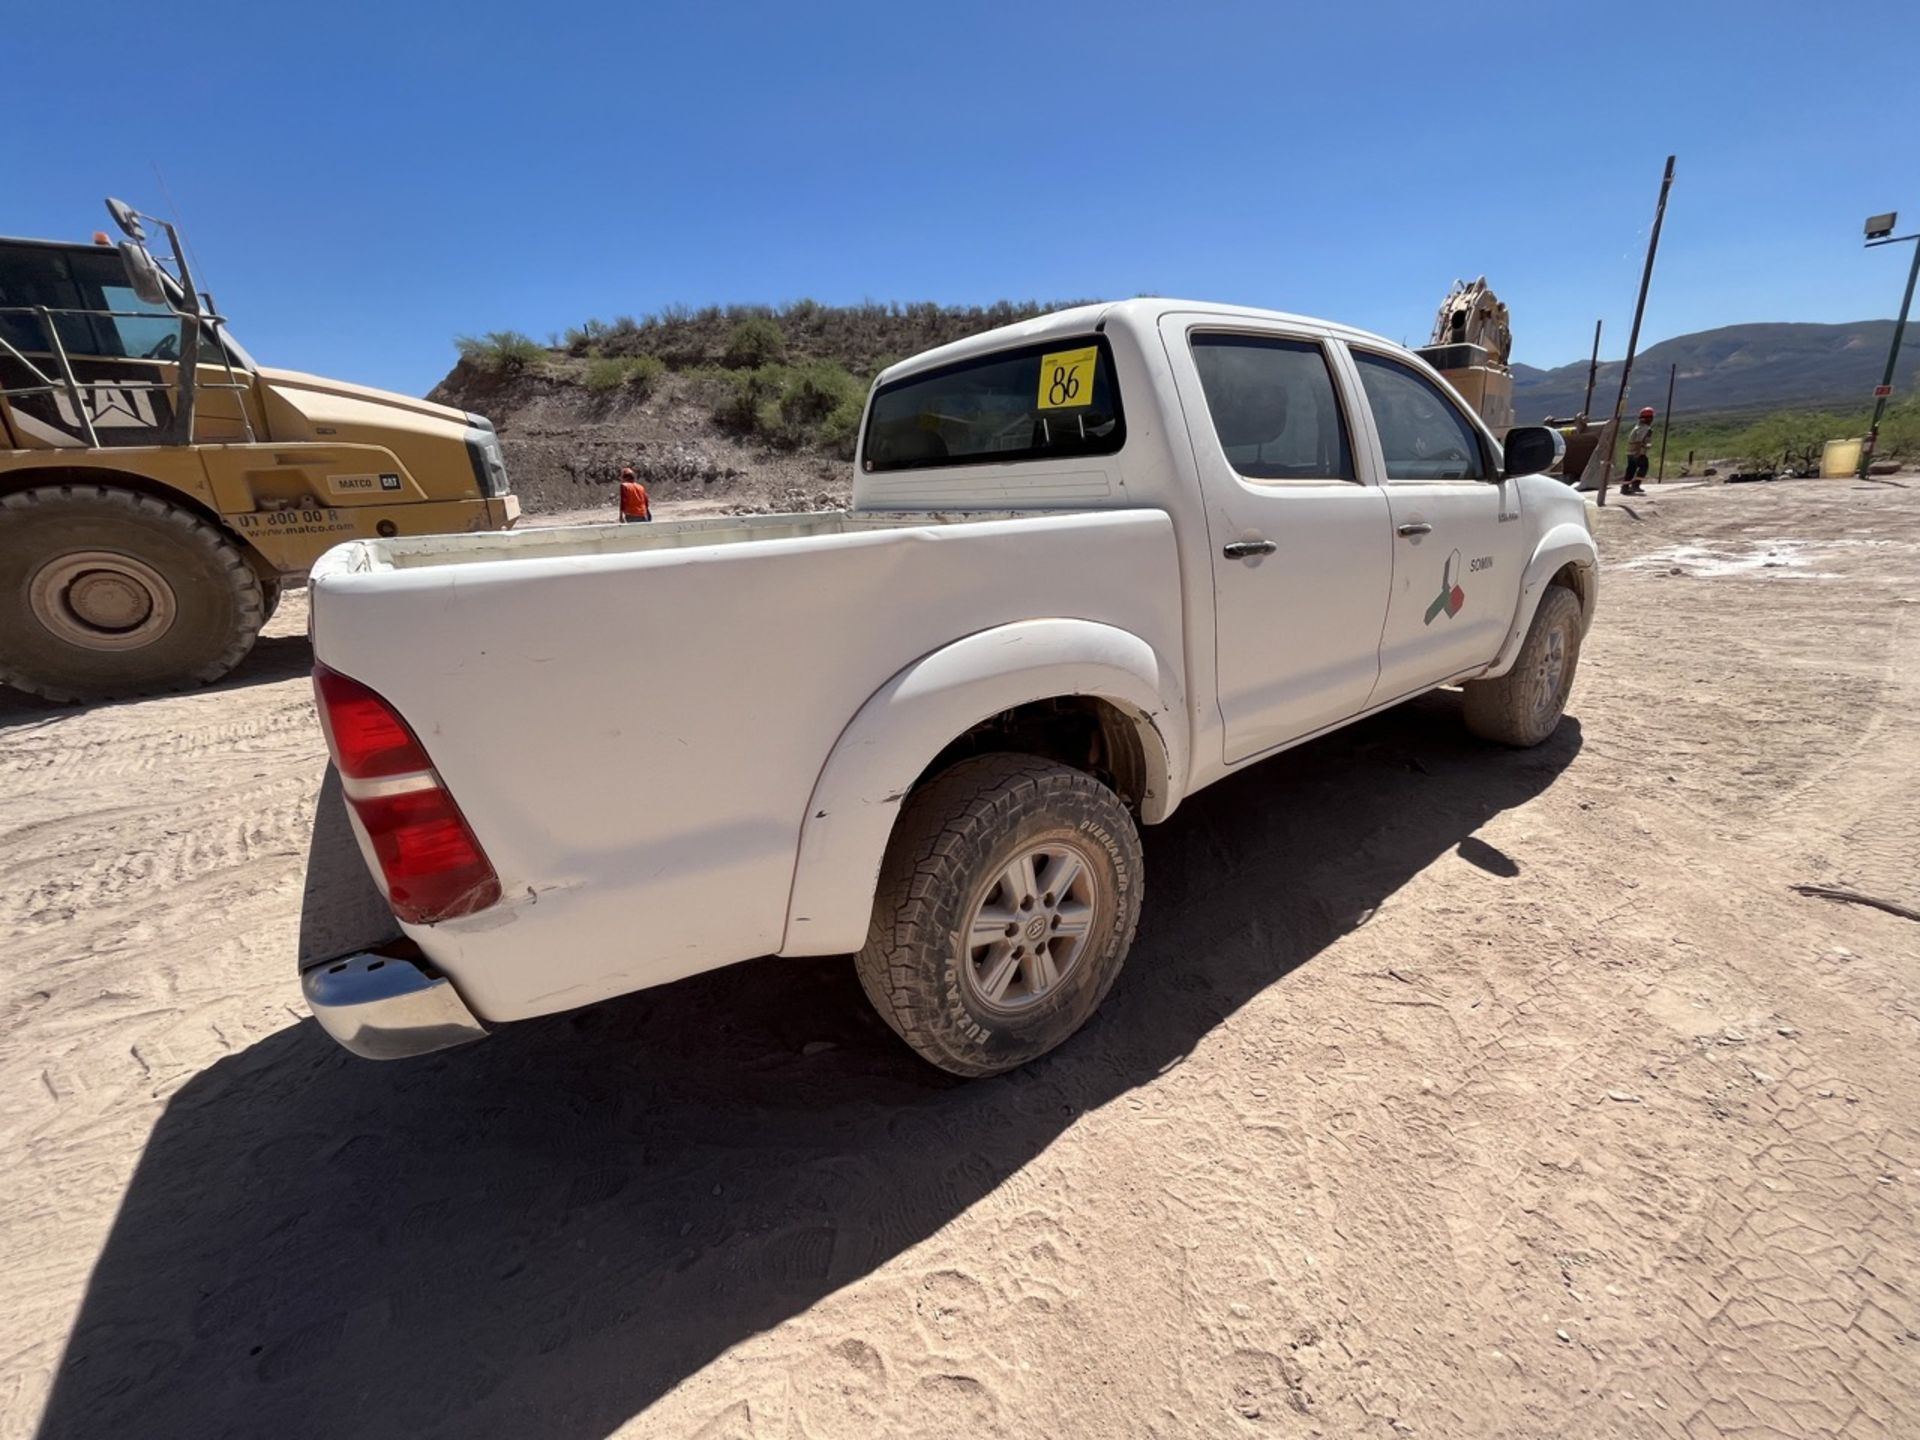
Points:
x=1273, y=407
x=1056, y=399
x=1422, y=435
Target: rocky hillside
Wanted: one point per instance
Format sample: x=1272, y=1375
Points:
x=1735, y=368
x=750, y=406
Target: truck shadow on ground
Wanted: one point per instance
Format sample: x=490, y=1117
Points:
x=544, y=1233
x=279, y=657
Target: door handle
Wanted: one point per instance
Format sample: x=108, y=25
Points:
x=1418, y=527
x=1244, y=549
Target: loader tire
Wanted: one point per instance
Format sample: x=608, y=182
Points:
x=106, y=594
x=1523, y=706
x=1006, y=906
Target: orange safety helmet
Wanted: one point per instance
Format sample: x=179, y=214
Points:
x=1646, y=412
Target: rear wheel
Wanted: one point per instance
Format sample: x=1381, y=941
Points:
x=1006, y=906
x=107, y=593
x=1524, y=706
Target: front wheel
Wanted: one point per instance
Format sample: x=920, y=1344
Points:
x=106, y=593
x=1524, y=706
x=1006, y=907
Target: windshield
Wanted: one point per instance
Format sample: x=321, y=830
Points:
x=1056, y=399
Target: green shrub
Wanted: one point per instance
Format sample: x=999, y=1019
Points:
x=792, y=405
x=749, y=399
x=812, y=393
x=644, y=372
x=501, y=351
x=635, y=373
x=754, y=342
x=841, y=428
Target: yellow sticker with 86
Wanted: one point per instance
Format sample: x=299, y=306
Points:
x=1066, y=379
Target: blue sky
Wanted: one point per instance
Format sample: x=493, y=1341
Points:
x=362, y=182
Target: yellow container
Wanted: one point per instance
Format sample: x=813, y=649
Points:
x=1839, y=459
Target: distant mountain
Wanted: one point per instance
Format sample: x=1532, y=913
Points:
x=1737, y=367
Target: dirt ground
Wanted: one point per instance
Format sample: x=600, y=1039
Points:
x=1449, y=1091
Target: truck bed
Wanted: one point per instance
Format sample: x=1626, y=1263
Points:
x=632, y=717
x=566, y=541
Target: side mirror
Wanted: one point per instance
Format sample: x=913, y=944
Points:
x=127, y=218
x=143, y=274
x=1532, y=450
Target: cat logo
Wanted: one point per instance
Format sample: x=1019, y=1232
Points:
x=112, y=404
x=108, y=404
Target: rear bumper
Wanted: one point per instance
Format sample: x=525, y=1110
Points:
x=384, y=1006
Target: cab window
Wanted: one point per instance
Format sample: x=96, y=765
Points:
x=149, y=332
x=1040, y=402
x=40, y=275
x=1423, y=436
x=90, y=278
x=140, y=329
x=1273, y=407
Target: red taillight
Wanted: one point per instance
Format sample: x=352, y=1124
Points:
x=433, y=867
x=369, y=740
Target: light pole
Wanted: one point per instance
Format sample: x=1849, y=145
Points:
x=1880, y=232
x=1666, y=418
x=1633, y=337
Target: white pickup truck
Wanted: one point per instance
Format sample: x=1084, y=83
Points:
x=1095, y=561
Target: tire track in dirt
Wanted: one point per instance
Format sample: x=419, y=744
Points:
x=1866, y=836
x=75, y=882
x=115, y=749
x=151, y=859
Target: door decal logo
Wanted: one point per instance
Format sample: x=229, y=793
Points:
x=1451, y=598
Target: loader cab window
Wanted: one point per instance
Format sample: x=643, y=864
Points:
x=1273, y=407
x=40, y=275
x=1057, y=399
x=152, y=334
x=87, y=277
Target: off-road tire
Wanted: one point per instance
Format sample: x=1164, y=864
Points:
x=954, y=837
x=1523, y=706
x=216, y=599
x=270, y=592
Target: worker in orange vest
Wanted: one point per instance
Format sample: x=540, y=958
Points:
x=634, y=504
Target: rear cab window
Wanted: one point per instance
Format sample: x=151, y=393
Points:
x=1052, y=400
